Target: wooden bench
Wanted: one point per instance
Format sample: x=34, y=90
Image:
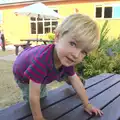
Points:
x=62, y=104
x=25, y=45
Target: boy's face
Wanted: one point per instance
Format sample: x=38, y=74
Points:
x=69, y=50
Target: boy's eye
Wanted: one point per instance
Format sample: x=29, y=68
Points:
x=84, y=53
x=73, y=44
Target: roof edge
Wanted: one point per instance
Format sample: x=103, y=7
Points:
x=28, y=2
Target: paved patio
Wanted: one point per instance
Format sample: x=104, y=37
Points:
x=8, y=57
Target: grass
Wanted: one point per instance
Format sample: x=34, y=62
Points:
x=9, y=92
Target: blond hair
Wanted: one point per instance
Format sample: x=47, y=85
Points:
x=82, y=28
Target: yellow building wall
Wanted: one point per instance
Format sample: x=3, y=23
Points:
x=89, y=9
x=15, y=27
x=18, y=27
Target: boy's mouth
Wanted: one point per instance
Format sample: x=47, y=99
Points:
x=70, y=59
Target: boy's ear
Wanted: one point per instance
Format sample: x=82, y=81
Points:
x=56, y=36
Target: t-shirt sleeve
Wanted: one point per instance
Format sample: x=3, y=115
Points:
x=70, y=71
x=37, y=71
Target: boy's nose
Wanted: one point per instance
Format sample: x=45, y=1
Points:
x=76, y=54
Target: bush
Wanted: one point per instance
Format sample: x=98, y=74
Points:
x=103, y=35
x=51, y=36
x=97, y=63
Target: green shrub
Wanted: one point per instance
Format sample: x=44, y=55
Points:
x=103, y=35
x=116, y=67
x=51, y=36
x=99, y=61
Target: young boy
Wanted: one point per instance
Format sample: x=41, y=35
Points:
x=37, y=66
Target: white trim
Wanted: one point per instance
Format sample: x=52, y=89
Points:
x=107, y=3
x=43, y=26
x=112, y=11
x=107, y=18
x=103, y=9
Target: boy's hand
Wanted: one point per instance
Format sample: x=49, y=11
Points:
x=91, y=109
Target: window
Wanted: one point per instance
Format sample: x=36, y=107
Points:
x=43, y=26
x=98, y=12
x=39, y=27
x=33, y=25
x=33, y=28
x=107, y=11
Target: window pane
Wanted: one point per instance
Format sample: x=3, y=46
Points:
x=108, y=12
x=116, y=12
x=47, y=30
x=54, y=23
x=33, y=19
x=98, y=12
x=56, y=11
x=53, y=28
x=47, y=19
x=33, y=28
x=39, y=19
x=47, y=23
x=40, y=27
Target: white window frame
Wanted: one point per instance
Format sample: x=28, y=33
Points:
x=43, y=21
x=103, y=5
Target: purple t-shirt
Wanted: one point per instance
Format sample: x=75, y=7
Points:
x=37, y=63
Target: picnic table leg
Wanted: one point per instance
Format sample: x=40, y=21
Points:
x=36, y=42
x=45, y=43
x=28, y=42
x=17, y=50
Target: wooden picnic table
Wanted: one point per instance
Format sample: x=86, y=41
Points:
x=63, y=104
x=25, y=45
x=36, y=40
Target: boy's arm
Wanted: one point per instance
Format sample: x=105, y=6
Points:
x=34, y=99
x=78, y=86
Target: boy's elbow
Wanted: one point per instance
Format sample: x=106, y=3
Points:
x=34, y=98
